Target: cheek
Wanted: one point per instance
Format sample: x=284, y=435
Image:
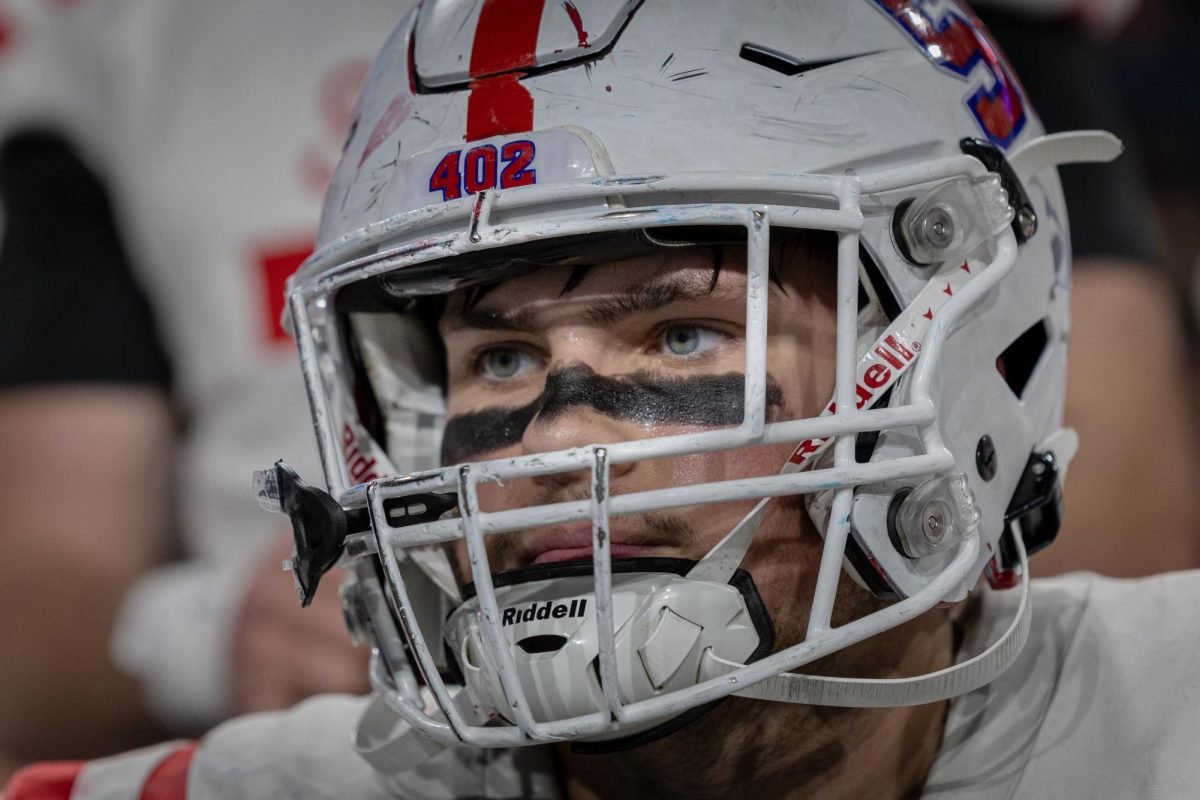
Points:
x=802, y=362
x=750, y=462
x=713, y=521
x=784, y=559
x=785, y=554
x=509, y=494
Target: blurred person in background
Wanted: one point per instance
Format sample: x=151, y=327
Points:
x=171, y=106
x=161, y=169
x=1128, y=335
x=1153, y=64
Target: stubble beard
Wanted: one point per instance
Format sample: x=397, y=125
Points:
x=777, y=749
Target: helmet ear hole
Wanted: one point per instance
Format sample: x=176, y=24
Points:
x=1018, y=361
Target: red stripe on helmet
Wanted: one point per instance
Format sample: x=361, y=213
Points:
x=506, y=36
x=53, y=780
x=505, y=42
x=168, y=781
x=497, y=106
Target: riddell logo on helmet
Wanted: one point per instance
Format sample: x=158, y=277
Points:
x=361, y=468
x=546, y=610
x=877, y=372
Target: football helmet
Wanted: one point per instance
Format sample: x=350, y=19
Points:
x=493, y=138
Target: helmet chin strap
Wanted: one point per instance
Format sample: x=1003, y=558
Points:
x=932, y=687
x=392, y=746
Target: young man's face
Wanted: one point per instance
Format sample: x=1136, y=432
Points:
x=652, y=346
x=655, y=346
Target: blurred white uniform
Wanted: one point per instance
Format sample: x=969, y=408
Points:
x=215, y=126
x=1104, y=701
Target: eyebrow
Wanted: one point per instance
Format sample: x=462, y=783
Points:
x=651, y=296
x=524, y=321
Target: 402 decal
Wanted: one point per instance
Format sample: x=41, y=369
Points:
x=484, y=167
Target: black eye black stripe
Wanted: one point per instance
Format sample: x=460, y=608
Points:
x=641, y=397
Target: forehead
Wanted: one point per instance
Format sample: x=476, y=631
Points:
x=690, y=270
x=692, y=279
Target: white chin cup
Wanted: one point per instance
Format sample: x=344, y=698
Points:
x=663, y=624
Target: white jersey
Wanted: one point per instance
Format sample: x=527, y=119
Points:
x=1104, y=701
x=215, y=126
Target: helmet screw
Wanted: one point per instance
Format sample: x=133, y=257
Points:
x=1027, y=221
x=934, y=523
x=939, y=227
x=985, y=458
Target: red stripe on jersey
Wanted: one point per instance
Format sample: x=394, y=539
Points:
x=168, y=781
x=7, y=31
x=53, y=780
x=276, y=264
x=505, y=40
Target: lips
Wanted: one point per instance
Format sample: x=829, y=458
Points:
x=574, y=543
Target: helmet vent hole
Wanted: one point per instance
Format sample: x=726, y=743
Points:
x=544, y=643
x=1018, y=361
x=781, y=62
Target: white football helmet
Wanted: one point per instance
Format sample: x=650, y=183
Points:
x=494, y=136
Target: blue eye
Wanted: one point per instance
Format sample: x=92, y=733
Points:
x=502, y=363
x=688, y=340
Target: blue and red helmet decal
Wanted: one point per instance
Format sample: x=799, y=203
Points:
x=956, y=40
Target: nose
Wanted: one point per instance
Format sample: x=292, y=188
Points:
x=569, y=418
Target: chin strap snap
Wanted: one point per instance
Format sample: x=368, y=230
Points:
x=944, y=684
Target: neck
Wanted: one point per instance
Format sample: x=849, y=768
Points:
x=784, y=750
